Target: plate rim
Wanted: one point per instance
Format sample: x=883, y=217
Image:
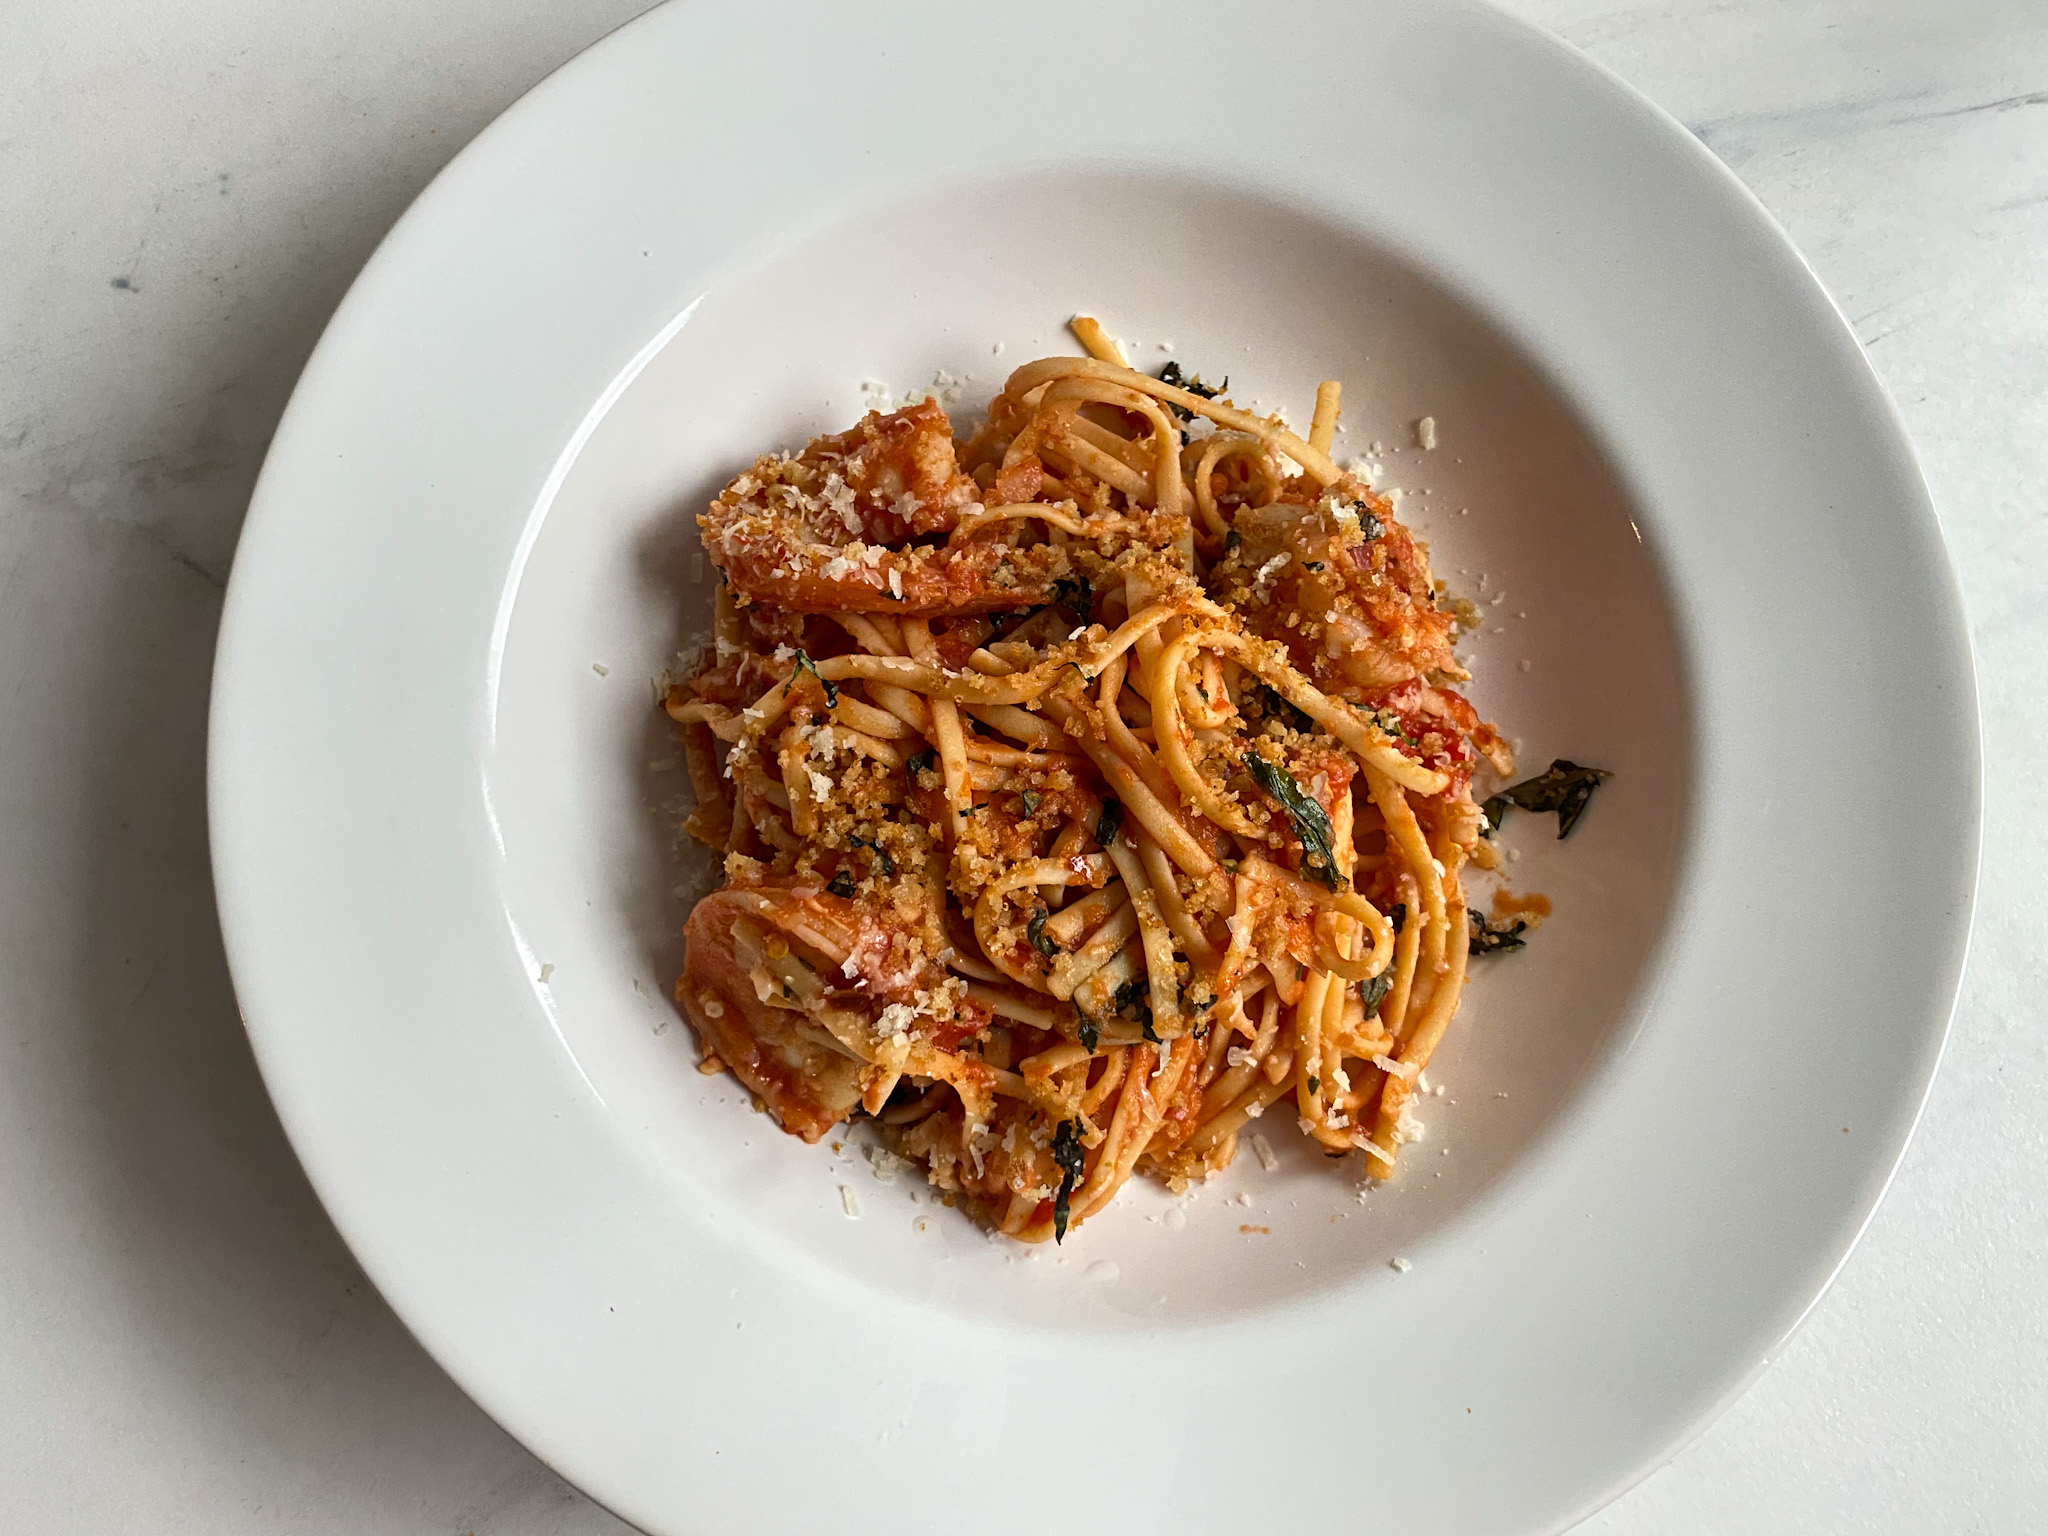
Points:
x=268, y=509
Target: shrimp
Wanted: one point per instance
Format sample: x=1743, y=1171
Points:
x=807, y=1081
x=793, y=987
x=1355, y=583
x=836, y=528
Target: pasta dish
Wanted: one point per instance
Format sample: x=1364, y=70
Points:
x=1086, y=791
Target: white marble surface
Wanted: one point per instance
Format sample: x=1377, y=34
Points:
x=186, y=187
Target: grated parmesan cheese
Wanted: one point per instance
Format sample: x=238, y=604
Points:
x=886, y=1165
x=1264, y=1148
x=849, y=1202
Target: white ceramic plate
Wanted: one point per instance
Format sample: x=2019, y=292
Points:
x=451, y=898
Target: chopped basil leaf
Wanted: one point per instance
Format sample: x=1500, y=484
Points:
x=920, y=761
x=1029, y=799
x=1494, y=939
x=1315, y=1085
x=1374, y=989
x=1110, y=821
x=1075, y=595
x=1091, y=1032
x=1171, y=374
x=841, y=884
x=1034, y=930
x=1279, y=706
x=1563, y=787
x=1310, y=821
x=1495, y=809
x=805, y=664
x=1066, y=1152
x=882, y=858
x=1145, y=1027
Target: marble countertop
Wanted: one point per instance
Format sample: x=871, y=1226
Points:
x=186, y=188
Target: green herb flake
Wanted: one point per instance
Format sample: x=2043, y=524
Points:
x=1091, y=1033
x=1171, y=374
x=1495, y=809
x=1494, y=939
x=841, y=884
x=1315, y=1085
x=922, y=762
x=1135, y=997
x=882, y=858
x=1029, y=799
x=1066, y=1152
x=1074, y=595
x=1110, y=822
x=1280, y=707
x=805, y=664
x=1564, y=787
x=1034, y=930
x=1310, y=821
x=1374, y=989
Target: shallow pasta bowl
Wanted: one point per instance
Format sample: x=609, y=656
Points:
x=442, y=796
